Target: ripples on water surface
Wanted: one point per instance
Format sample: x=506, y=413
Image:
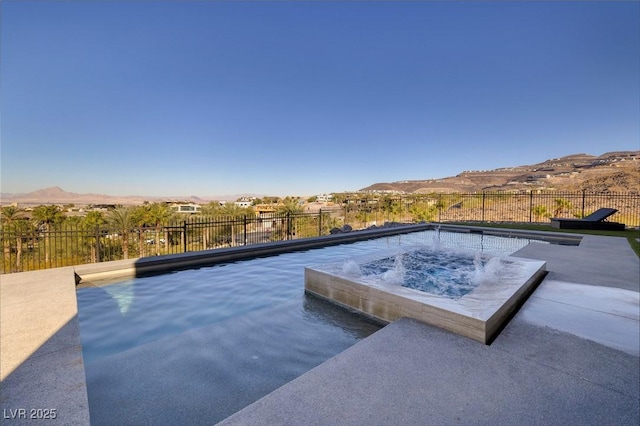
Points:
x=198, y=345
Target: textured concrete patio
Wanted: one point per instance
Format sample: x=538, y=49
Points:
x=571, y=355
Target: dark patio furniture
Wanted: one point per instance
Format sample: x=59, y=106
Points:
x=596, y=220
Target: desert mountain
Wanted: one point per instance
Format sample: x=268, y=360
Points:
x=613, y=172
x=610, y=172
x=56, y=195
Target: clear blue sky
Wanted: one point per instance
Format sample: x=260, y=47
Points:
x=297, y=98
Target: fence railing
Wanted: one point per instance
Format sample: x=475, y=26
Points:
x=525, y=207
x=34, y=247
x=73, y=244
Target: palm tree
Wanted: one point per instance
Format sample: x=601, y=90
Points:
x=290, y=206
x=92, y=222
x=12, y=218
x=138, y=218
x=10, y=214
x=210, y=209
x=157, y=215
x=122, y=219
x=47, y=216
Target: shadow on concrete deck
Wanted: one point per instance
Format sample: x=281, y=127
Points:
x=42, y=369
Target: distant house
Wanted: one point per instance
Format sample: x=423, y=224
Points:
x=101, y=207
x=264, y=209
x=324, y=198
x=188, y=208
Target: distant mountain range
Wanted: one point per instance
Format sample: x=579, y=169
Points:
x=57, y=195
x=614, y=171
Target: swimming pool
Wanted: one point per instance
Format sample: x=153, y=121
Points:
x=197, y=345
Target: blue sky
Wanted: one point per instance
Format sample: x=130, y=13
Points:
x=298, y=98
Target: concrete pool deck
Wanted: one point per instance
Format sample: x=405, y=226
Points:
x=41, y=368
x=544, y=368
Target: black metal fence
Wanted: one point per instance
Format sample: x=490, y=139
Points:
x=69, y=244
x=27, y=246
x=525, y=207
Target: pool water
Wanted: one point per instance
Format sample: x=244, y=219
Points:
x=195, y=346
x=440, y=272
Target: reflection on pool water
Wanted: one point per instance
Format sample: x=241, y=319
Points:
x=201, y=344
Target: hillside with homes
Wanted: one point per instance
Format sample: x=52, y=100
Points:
x=611, y=172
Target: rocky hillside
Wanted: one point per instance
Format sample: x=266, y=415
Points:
x=613, y=172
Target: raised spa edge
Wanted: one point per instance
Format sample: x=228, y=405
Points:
x=386, y=304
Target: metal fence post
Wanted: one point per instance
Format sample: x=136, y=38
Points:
x=583, y=197
x=530, y=206
x=345, y=211
x=184, y=235
x=483, y=197
x=245, y=228
x=320, y=222
x=98, y=243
